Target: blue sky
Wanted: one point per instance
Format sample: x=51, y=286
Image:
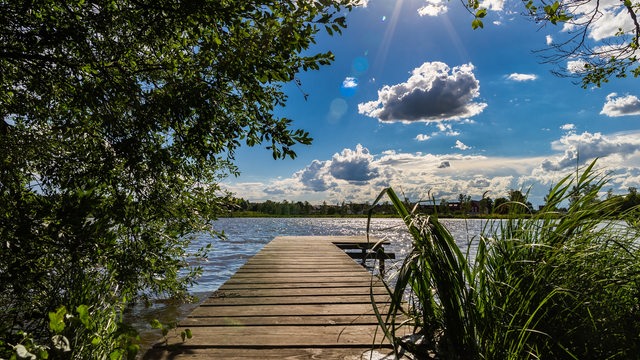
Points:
x=421, y=102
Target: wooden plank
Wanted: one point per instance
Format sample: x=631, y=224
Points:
x=284, y=310
x=283, y=335
x=281, y=300
x=229, y=285
x=360, y=279
x=298, y=298
x=330, y=319
x=310, y=291
x=311, y=275
x=331, y=353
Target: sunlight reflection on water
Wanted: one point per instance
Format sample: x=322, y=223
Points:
x=246, y=236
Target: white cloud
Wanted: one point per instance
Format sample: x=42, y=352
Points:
x=353, y=165
x=433, y=8
x=522, y=77
x=621, y=105
x=496, y=5
x=549, y=39
x=576, y=66
x=582, y=148
x=423, y=137
x=445, y=129
x=358, y=175
x=480, y=182
x=433, y=92
x=350, y=82
x=315, y=176
x=568, y=127
x=610, y=22
x=611, y=16
x=460, y=145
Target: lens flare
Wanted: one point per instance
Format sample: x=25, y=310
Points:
x=360, y=65
x=337, y=109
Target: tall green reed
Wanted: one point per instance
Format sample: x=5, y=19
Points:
x=560, y=285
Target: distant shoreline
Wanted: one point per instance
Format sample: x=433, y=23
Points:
x=252, y=214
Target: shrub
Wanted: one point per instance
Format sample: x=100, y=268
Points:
x=550, y=285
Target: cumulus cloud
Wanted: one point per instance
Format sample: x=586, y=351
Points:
x=363, y=3
x=314, y=176
x=496, y=5
x=357, y=175
x=480, y=182
x=433, y=92
x=416, y=173
x=576, y=66
x=353, y=165
x=621, y=105
x=610, y=18
x=460, y=145
x=587, y=146
x=522, y=77
x=274, y=191
x=568, y=127
x=423, y=137
x=433, y=8
x=350, y=82
x=608, y=25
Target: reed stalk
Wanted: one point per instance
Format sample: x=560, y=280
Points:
x=554, y=285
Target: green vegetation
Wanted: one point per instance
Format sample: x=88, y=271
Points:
x=465, y=207
x=117, y=121
x=555, y=285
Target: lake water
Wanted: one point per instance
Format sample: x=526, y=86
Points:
x=246, y=236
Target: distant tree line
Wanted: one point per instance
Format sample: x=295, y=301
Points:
x=515, y=202
x=300, y=208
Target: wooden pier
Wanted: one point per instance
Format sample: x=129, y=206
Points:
x=298, y=298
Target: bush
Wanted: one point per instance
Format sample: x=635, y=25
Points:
x=552, y=285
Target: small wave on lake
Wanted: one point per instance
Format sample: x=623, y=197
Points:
x=244, y=237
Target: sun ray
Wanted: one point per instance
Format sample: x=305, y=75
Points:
x=455, y=39
x=383, y=50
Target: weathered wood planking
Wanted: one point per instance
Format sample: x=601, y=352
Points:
x=298, y=298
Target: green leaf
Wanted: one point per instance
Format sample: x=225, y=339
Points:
x=481, y=13
x=56, y=320
x=83, y=315
x=156, y=324
x=43, y=354
x=477, y=23
x=116, y=355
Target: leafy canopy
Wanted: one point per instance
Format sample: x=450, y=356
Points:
x=117, y=120
x=591, y=48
